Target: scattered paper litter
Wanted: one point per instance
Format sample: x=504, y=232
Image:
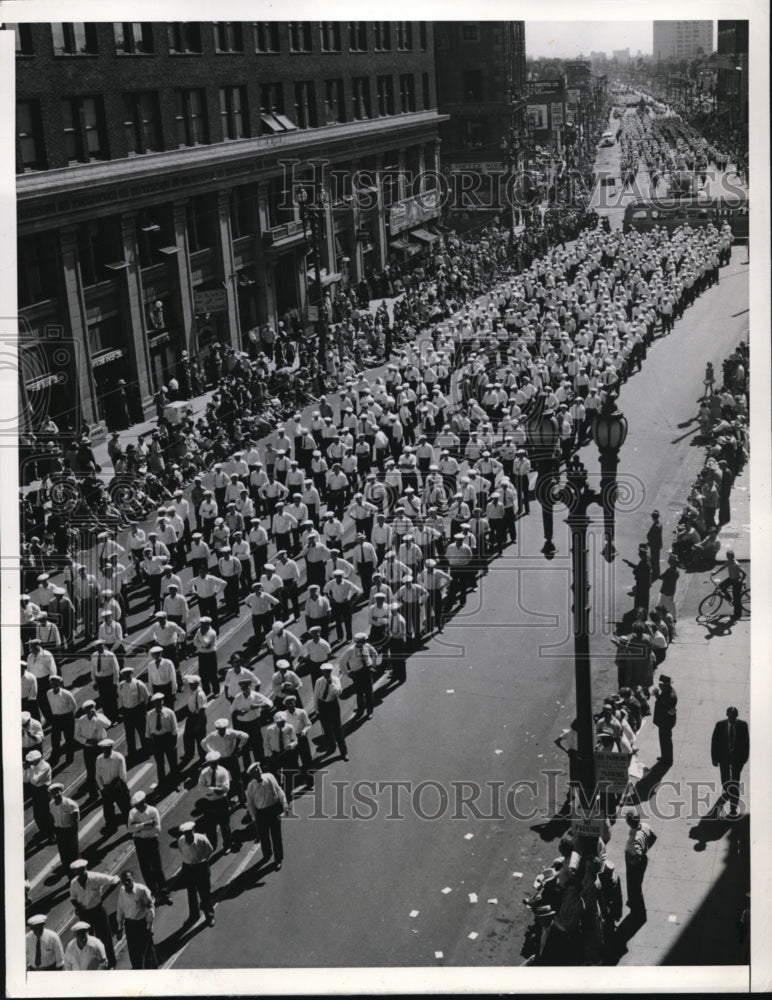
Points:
x=517, y=874
x=501, y=751
x=673, y=918
x=473, y=936
x=472, y=897
x=494, y=901
x=438, y=954
x=450, y=691
x=468, y=836
x=539, y=754
x=414, y=913
x=447, y=889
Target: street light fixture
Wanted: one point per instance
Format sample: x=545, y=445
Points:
x=609, y=431
x=313, y=215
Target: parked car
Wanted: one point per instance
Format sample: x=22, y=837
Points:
x=608, y=139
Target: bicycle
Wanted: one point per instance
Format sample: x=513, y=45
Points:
x=711, y=605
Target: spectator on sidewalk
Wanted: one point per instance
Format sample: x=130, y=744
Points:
x=729, y=751
x=664, y=717
x=640, y=838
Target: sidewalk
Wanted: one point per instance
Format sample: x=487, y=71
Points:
x=700, y=865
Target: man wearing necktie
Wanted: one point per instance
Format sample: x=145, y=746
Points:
x=358, y=661
x=215, y=780
x=729, y=751
x=364, y=561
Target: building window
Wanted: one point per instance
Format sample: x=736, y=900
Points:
x=233, y=112
x=422, y=36
x=106, y=335
x=406, y=93
x=192, y=127
x=200, y=223
x=329, y=32
x=23, y=33
x=36, y=268
x=30, y=135
x=132, y=39
x=472, y=80
x=228, y=36
x=98, y=244
x=266, y=36
x=272, y=98
x=74, y=38
x=155, y=229
x=361, y=95
x=184, y=37
x=305, y=104
x=404, y=36
x=241, y=206
x=300, y=36
x=385, y=95
x=85, y=137
x=334, y=108
x=382, y=36
x=279, y=200
x=470, y=33
x=357, y=36
x=426, y=91
x=142, y=123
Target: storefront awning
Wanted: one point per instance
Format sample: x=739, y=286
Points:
x=403, y=243
x=424, y=236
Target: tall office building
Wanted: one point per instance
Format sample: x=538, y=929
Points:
x=158, y=168
x=732, y=71
x=682, y=39
x=480, y=87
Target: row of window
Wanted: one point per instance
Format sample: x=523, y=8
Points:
x=185, y=37
x=101, y=241
x=85, y=132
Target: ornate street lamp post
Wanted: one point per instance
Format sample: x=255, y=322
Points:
x=312, y=215
x=578, y=497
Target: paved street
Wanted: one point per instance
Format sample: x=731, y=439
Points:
x=486, y=686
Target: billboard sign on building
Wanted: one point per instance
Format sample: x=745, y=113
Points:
x=556, y=113
x=545, y=87
x=411, y=211
x=536, y=115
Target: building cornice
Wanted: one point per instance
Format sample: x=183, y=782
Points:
x=123, y=182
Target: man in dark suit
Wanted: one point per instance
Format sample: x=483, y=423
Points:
x=729, y=751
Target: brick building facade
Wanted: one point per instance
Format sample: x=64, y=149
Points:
x=158, y=166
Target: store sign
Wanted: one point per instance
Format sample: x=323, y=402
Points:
x=106, y=358
x=209, y=301
x=536, y=115
x=557, y=115
x=479, y=166
x=412, y=211
x=574, y=96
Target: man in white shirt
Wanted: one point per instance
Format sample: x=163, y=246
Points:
x=110, y=772
x=215, y=782
x=44, y=946
x=135, y=914
x=266, y=803
x=85, y=953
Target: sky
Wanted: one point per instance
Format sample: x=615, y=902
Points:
x=566, y=39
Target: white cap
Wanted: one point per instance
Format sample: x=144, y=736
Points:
x=212, y=755
x=138, y=798
x=187, y=827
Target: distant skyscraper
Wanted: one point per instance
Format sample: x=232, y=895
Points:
x=682, y=39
